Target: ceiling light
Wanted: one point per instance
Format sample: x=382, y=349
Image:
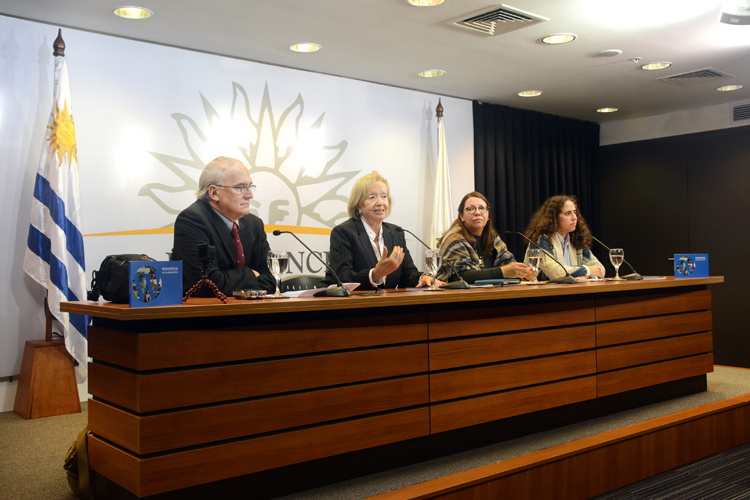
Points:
x=635, y=14
x=530, y=93
x=559, y=38
x=728, y=88
x=305, y=47
x=735, y=14
x=133, y=12
x=426, y=3
x=656, y=65
x=431, y=73
x=606, y=110
x=609, y=53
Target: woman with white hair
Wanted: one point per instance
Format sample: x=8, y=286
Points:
x=367, y=250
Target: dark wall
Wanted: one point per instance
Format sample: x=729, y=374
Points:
x=687, y=194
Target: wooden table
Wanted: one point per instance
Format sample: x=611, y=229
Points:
x=191, y=394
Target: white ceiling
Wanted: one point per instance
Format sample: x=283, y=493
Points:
x=389, y=42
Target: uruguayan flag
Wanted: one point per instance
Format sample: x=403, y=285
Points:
x=54, y=257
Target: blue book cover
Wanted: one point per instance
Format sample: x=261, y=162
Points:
x=691, y=265
x=154, y=283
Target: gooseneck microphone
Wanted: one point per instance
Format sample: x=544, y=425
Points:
x=566, y=279
x=634, y=276
x=454, y=285
x=339, y=291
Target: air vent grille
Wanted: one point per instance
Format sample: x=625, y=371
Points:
x=695, y=77
x=497, y=20
x=741, y=112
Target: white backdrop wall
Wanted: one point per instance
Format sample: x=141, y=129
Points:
x=149, y=117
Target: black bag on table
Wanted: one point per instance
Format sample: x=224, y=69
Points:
x=111, y=281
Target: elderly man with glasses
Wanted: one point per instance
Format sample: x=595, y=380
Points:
x=221, y=218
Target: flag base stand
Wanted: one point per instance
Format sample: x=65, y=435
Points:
x=47, y=385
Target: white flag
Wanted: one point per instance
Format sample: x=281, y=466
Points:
x=54, y=255
x=442, y=213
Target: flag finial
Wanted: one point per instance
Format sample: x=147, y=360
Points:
x=439, y=109
x=59, y=45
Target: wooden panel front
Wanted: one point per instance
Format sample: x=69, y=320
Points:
x=153, y=433
x=480, y=350
x=161, y=391
x=446, y=324
x=194, y=347
x=620, y=332
x=478, y=410
x=651, y=305
x=472, y=381
x=118, y=386
x=150, y=476
x=657, y=373
x=613, y=358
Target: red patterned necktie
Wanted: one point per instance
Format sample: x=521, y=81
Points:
x=238, y=245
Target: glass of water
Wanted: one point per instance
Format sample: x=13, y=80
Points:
x=433, y=259
x=278, y=262
x=616, y=257
x=535, y=259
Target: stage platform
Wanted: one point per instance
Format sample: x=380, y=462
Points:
x=576, y=461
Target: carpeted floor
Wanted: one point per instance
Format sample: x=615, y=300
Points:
x=32, y=452
x=725, y=476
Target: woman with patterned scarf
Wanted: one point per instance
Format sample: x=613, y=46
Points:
x=474, y=248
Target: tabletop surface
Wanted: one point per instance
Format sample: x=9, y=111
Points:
x=204, y=307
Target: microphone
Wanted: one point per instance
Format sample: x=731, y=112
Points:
x=455, y=285
x=339, y=291
x=632, y=277
x=567, y=279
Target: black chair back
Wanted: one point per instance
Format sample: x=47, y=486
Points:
x=299, y=282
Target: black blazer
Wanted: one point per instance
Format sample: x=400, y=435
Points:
x=352, y=257
x=198, y=224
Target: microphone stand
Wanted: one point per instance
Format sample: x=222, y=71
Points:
x=454, y=285
x=339, y=291
x=567, y=279
x=634, y=276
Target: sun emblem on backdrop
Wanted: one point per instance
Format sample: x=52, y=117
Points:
x=287, y=156
x=63, y=135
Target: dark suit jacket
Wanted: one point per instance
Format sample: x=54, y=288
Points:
x=198, y=224
x=352, y=257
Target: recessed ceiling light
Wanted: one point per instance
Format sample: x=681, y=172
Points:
x=431, y=73
x=728, y=88
x=656, y=65
x=530, y=93
x=559, y=38
x=426, y=3
x=609, y=53
x=305, y=47
x=606, y=110
x=133, y=12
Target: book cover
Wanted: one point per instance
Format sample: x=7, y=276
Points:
x=691, y=265
x=155, y=283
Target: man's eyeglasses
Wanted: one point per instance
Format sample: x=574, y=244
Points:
x=471, y=210
x=240, y=188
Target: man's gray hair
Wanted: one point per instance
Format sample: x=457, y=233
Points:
x=213, y=175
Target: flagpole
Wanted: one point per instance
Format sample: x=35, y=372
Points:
x=58, y=49
x=47, y=383
x=442, y=213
